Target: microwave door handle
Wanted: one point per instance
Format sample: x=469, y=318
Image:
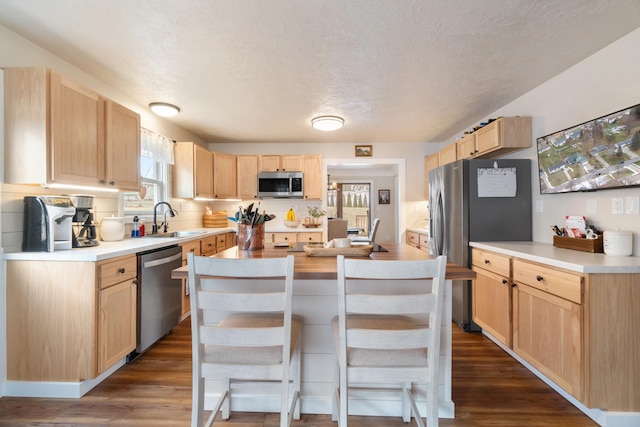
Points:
x=290, y=184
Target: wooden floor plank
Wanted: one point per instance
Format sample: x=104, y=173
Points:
x=489, y=389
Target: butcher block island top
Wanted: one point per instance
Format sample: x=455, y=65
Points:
x=325, y=268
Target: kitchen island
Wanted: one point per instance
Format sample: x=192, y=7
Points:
x=315, y=299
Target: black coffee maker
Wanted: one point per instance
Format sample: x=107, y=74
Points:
x=84, y=229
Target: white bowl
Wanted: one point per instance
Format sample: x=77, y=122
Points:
x=292, y=224
x=342, y=243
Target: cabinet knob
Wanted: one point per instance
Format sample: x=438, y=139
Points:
x=102, y=181
x=486, y=261
x=513, y=285
x=135, y=282
x=539, y=278
x=112, y=183
x=286, y=238
x=121, y=271
x=505, y=281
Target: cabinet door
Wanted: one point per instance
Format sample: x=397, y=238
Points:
x=547, y=333
x=269, y=163
x=202, y=172
x=247, y=176
x=413, y=239
x=492, y=304
x=122, y=147
x=430, y=162
x=313, y=177
x=116, y=324
x=292, y=163
x=208, y=246
x=466, y=147
x=488, y=137
x=224, y=176
x=448, y=154
x=77, y=133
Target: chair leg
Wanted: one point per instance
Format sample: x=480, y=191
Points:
x=416, y=412
x=197, y=404
x=296, y=378
x=344, y=401
x=432, y=406
x=226, y=405
x=406, y=406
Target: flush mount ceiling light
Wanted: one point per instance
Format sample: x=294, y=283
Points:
x=163, y=109
x=327, y=123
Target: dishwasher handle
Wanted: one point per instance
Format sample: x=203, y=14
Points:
x=161, y=261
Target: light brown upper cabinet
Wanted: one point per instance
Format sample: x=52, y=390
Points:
x=192, y=171
x=224, y=176
x=430, y=162
x=312, y=176
x=286, y=163
x=448, y=154
x=122, y=147
x=247, y=176
x=60, y=132
x=500, y=137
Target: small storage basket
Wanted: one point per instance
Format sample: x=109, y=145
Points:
x=215, y=220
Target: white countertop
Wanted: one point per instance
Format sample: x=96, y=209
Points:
x=108, y=250
x=421, y=230
x=578, y=261
x=298, y=229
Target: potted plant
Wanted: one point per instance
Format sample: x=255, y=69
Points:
x=315, y=214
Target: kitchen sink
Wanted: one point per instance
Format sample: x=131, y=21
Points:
x=176, y=234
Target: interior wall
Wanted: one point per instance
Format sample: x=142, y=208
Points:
x=601, y=84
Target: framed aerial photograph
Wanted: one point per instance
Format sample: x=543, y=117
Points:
x=384, y=197
x=363, y=151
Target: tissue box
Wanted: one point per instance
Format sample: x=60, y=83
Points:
x=215, y=220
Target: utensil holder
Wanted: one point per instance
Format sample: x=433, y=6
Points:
x=250, y=238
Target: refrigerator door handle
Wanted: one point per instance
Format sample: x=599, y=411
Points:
x=438, y=231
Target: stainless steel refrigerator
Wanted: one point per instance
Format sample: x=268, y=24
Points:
x=477, y=200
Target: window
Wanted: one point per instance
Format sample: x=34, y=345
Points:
x=153, y=188
x=156, y=153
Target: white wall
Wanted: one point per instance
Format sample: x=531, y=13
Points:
x=606, y=82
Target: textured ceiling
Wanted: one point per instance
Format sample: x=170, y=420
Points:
x=395, y=70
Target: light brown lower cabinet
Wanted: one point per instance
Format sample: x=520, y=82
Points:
x=292, y=237
x=69, y=321
x=581, y=330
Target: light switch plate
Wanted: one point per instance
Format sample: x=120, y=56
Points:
x=592, y=207
x=632, y=205
x=617, y=206
x=539, y=206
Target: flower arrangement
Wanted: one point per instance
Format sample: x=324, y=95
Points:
x=314, y=212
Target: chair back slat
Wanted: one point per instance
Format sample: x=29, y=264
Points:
x=259, y=302
x=242, y=337
x=390, y=304
x=390, y=339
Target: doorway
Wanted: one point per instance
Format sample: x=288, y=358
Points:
x=351, y=201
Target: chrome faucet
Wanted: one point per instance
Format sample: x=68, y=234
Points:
x=172, y=212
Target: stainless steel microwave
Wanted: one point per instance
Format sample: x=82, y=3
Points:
x=287, y=185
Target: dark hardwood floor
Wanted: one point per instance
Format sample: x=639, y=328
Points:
x=489, y=389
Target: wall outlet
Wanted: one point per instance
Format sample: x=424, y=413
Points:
x=632, y=205
x=617, y=206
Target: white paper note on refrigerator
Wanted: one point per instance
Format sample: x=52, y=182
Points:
x=497, y=182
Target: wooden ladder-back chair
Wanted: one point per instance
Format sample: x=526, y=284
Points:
x=242, y=334
x=389, y=338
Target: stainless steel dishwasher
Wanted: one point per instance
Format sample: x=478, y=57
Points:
x=159, y=296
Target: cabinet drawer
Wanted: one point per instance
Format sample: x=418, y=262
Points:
x=496, y=263
x=116, y=270
x=557, y=282
x=309, y=237
x=221, y=242
x=413, y=238
x=192, y=246
x=284, y=237
x=424, y=241
x=208, y=246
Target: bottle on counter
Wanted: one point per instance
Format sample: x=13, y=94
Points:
x=135, y=232
x=141, y=229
